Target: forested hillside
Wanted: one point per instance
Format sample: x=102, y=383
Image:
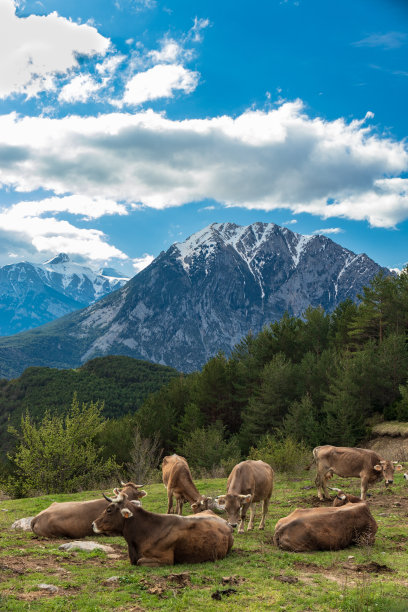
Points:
x=323, y=378
x=121, y=383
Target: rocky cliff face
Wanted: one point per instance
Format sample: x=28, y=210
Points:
x=33, y=294
x=205, y=294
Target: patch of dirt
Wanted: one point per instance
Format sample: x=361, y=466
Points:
x=232, y=580
x=218, y=595
x=40, y=593
x=161, y=584
x=371, y=568
x=308, y=567
x=288, y=579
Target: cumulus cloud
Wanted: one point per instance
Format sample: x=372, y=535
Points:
x=33, y=223
x=161, y=81
x=35, y=49
x=280, y=158
x=79, y=89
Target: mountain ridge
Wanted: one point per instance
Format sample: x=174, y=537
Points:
x=202, y=296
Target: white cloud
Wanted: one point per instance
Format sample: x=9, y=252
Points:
x=281, y=158
x=171, y=51
x=79, y=89
x=329, y=230
x=139, y=263
x=199, y=25
x=161, y=81
x=27, y=223
x=35, y=49
x=389, y=40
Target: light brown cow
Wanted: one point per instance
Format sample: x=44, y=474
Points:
x=249, y=482
x=351, y=462
x=74, y=519
x=162, y=539
x=325, y=528
x=342, y=498
x=179, y=482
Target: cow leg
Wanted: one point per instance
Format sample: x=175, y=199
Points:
x=252, y=510
x=170, y=504
x=244, y=509
x=325, y=489
x=179, y=507
x=166, y=558
x=318, y=482
x=265, y=505
x=364, y=485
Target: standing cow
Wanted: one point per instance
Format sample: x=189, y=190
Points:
x=162, y=539
x=249, y=482
x=73, y=519
x=179, y=482
x=351, y=462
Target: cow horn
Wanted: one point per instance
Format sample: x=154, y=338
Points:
x=123, y=483
x=107, y=498
x=334, y=489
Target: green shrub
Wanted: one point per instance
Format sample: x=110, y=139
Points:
x=283, y=454
x=206, y=450
x=59, y=455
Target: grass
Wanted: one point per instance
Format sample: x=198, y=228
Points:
x=391, y=428
x=255, y=576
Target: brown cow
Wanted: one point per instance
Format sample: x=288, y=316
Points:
x=342, y=498
x=162, y=539
x=179, y=482
x=74, y=519
x=351, y=462
x=325, y=528
x=249, y=482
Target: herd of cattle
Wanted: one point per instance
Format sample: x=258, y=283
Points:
x=161, y=539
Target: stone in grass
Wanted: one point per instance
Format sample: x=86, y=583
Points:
x=86, y=546
x=113, y=580
x=51, y=588
x=24, y=523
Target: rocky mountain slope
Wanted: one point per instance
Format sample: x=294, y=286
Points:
x=199, y=297
x=34, y=294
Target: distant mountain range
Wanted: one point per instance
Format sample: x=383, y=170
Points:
x=200, y=296
x=34, y=294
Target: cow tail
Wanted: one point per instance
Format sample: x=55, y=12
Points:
x=314, y=460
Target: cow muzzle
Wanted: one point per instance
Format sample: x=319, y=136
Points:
x=388, y=482
x=233, y=525
x=95, y=529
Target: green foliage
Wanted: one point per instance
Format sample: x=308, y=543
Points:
x=59, y=454
x=401, y=407
x=302, y=422
x=284, y=454
x=206, y=449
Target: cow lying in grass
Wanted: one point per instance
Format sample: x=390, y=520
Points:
x=342, y=498
x=163, y=539
x=74, y=519
x=179, y=482
x=325, y=528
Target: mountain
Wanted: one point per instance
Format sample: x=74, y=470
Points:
x=200, y=296
x=34, y=294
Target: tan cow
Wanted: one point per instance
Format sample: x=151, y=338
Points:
x=342, y=498
x=249, y=482
x=179, y=482
x=351, y=462
x=162, y=539
x=325, y=528
x=74, y=519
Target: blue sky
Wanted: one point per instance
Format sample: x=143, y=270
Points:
x=127, y=125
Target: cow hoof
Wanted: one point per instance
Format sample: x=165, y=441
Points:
x=261, y=528
x=241, y=531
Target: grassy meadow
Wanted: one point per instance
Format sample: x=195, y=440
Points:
x=255, y=576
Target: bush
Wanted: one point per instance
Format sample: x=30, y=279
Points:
x=206, y=450
x=145, y=456
x=283, y=454
x=59, y=454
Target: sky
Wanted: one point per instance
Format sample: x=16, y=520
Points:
x=128, y=125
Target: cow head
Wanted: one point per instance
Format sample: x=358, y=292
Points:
x=112, y=520
x=342, y=499
x=233, y=503
x=385, y=469
x=201, y=504
x=132, y=490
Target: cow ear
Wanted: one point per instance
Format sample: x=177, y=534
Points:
x=194, y=505
x=221, y=500
x=398, y=468
x=126, y=513
x=378, y=468
x=209, y=499
x=141, y=493
x=136, y=502
x=246, y=499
